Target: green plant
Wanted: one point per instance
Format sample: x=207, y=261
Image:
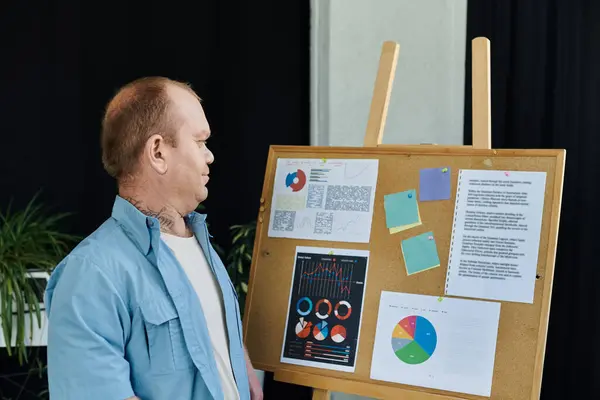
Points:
x=29, y=241
x=239, y=258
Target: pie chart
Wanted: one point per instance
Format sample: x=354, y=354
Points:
x=338, y=333
x=295, y=180
x=321, y=330
x=303, y=328
x=414, y=339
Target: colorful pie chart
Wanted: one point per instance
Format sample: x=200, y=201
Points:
x=321, y=330
x=414, y=340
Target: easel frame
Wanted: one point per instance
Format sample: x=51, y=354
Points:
x=322, y=385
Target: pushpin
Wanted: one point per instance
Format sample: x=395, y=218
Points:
x=330, y=253
x=444, y=169
x=410, y=195
x=323, y=160
x=506, y=173
x=430, y=238
x=440, y=299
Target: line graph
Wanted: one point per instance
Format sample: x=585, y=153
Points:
x=306, y=222
x=349, y=224
x=358, y=170
x=328, y=280
x=328, y=276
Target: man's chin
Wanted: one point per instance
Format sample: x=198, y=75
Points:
x=202, y=195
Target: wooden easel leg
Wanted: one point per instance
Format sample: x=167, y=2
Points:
x=482, y=113
x=381, y=94
x=320, y=394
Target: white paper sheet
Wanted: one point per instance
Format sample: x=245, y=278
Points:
x=447, y=345
x=325, y=308
x=321, y=199
x=496, y=235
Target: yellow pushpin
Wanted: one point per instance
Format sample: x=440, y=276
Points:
x=323, y=160
x=440, y=299
x=444, y=169
x=330, y=253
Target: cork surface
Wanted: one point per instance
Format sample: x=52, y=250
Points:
x=522, y=330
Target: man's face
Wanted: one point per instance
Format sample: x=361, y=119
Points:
x=188, y=163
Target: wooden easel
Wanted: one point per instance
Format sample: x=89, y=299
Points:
x=482, y=135
x=518, y=366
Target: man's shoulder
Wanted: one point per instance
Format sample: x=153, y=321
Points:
x=107, y=245
x=104, y=243
x=107, y=254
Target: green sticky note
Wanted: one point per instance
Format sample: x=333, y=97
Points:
x=401, y=210
x=420, y=253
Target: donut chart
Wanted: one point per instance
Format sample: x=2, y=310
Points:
x=317, y=308
x=337, y=312
x=414, y=340
x=296, y=180
x=299, y=305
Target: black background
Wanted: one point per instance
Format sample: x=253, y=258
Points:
x=61, y=61
x=545, y=65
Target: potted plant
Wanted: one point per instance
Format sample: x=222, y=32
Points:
x=239, y=258
x=31, y=245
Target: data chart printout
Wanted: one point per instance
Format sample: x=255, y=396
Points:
x=438, y=343
x=496, y=235
x=319, y=199
x=325, y=308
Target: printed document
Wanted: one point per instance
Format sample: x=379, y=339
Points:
x=319, y=199
x=438, y=343
x=496, y=235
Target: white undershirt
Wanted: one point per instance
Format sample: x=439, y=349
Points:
x=192, y=259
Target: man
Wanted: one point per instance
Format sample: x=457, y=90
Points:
x=143, y=308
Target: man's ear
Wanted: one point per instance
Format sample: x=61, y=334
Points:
x=154, y=153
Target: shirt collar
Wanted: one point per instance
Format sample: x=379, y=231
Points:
x=140, y=226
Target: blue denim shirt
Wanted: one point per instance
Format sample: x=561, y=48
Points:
x=124, y=320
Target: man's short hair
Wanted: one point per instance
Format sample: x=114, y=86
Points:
x=138, y=110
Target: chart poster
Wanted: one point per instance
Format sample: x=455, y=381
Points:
x=438, y=343
x=319, y=199
x=325, y=308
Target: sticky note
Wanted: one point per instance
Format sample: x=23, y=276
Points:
x=420, y=253
x=401, y=211
x=434, y=184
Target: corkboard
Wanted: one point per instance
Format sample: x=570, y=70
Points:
x=523, y=327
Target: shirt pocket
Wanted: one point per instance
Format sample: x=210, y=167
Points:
x=166, y=344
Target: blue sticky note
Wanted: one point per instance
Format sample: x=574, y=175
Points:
x=420, y=253
x=434, y=184
x=401, y=209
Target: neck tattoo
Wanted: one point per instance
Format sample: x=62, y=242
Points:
x=166, y=221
